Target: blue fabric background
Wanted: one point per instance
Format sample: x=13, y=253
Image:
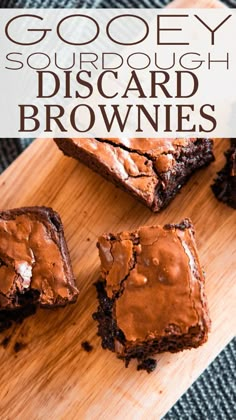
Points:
x=213, y=396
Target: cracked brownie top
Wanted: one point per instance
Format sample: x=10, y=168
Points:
x=155, y=279
x=153, y=170
x=133, y=157
x=150, y=146
x=34, y=257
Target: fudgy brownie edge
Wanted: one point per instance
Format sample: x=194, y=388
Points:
x=28, y=230
x=153, y=176
x=172, y=339
x=224, y=187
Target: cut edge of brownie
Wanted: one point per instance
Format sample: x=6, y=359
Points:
x=113, y=338
x=29, y=300
x=224, y=187
x=196, y=155
x=188, y=160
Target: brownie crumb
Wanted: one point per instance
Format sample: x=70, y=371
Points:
x=19, y=346
x=87, y=346
x=149, y=365
x=5, y=342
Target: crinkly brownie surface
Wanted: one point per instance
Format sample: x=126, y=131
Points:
x=35, y=265
x=151, y=292
x=153, y=170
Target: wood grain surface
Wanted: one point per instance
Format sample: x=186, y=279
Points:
x=52, y=377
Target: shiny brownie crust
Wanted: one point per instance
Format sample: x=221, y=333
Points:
x=35, y=266
x=153, y=175
x=177, y=332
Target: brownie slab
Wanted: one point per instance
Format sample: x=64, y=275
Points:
x=152, y=170
x=224, y=186
x=35, y=267
x=151, y=293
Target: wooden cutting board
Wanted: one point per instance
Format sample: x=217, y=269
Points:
x=52, y=377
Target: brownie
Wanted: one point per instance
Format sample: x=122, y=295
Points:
x=153, y=170
x=151, y=293
x=224, y=186
x=35, y=267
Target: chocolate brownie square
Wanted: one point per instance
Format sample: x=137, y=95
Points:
x=151, y=293
x=224, y=186
x=35, y=267
x=152, y=170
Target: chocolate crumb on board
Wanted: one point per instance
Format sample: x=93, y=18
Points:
x=6, y=341
x=148, y=364
x=18, y=346
x=87, y=346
